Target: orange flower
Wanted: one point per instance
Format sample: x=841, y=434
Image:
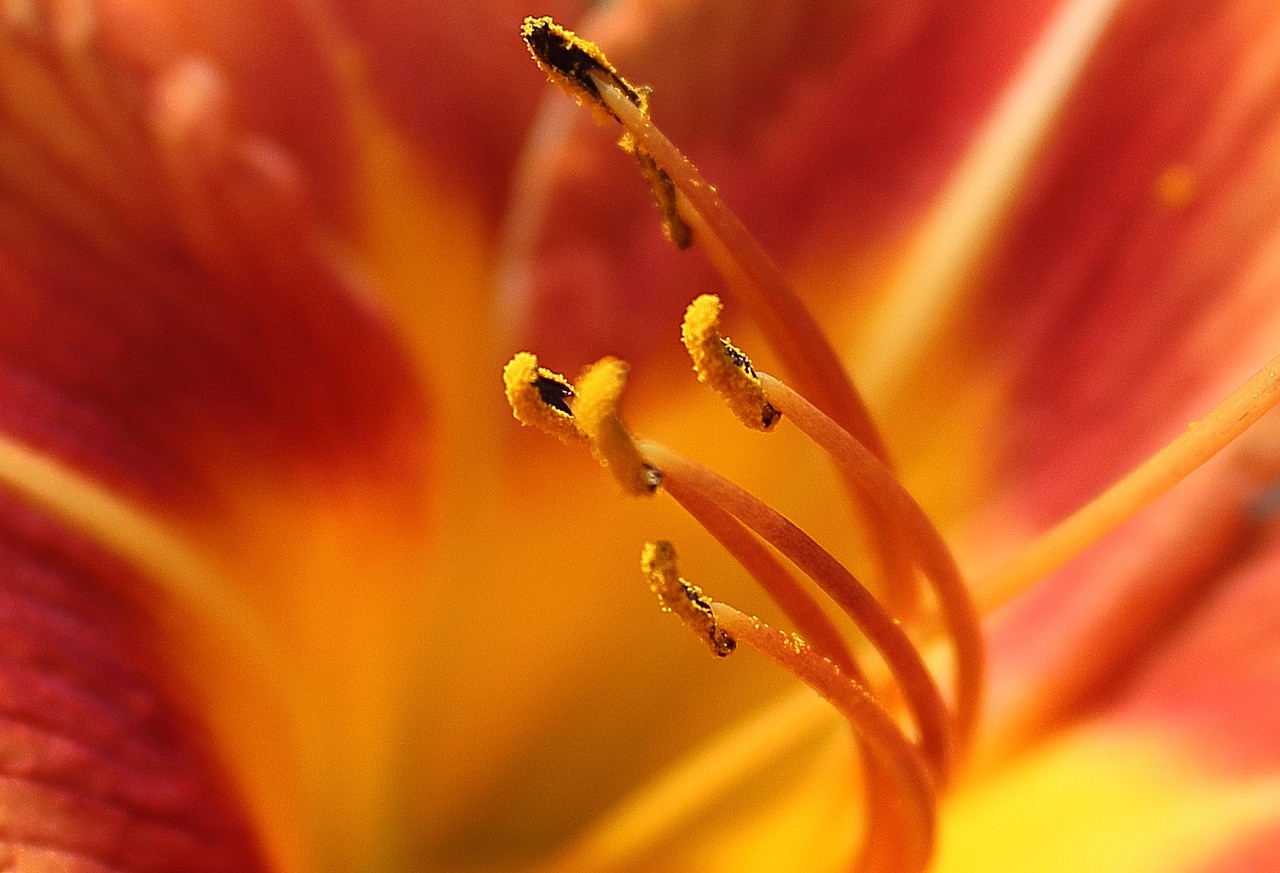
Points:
x=285, y=589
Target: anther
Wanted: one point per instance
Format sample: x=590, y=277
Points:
x=674, y=227
x=540, y=398
x=599, y=389
x=569, y=61
x=723, y=366
x=658, y=563
x=577, y=66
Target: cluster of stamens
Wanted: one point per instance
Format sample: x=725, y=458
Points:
x=909, y=748
x=911, y=736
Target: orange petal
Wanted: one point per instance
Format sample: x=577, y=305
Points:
x=1079, y=637
x=192, y=376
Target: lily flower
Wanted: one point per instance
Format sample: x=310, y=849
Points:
x=285, y=589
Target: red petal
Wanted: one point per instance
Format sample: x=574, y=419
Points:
x=172, y=314
x=1256, y=853
x=100, y=766
x=1165, y=618
x=279, y=71
x=1216, y=678
x=1136, y=284
x=457, y=78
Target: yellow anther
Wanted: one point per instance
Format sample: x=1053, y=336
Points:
x=596, y=412
x=722, y=366
x=579, y=67
x=658, y=563
x=571, y=62
x=540, y=398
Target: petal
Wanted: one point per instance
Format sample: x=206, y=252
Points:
x=1135, y=283
x=274, y=58
x=1105, y=800
x=100, y=766
x=456, y=79
x=1140, y=320
x=829, y=127
x=191, y=376
x=1078, y=638
x=1215, y=678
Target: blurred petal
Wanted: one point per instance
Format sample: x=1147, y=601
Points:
x=428, y=64
x=1214, y=680
x=275, y=59
x=191, y=374
x=1101, y=799
x=1136, y=282
x=1077, y=640
x=100, y=767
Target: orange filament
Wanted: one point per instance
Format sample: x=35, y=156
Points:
x=771, y=303
x=913, y=797
x=730, y=373
x=901, y=794
x=1239, y=411
x=959, y=614
x=682, y=478
x=794, y=601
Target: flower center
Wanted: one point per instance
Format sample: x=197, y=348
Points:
x=910, y=735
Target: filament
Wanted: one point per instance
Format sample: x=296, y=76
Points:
x=915, y=795
x=959, y=614
x=681, y=477
x=771, y=303
x=794, y=601
x=1256, y=396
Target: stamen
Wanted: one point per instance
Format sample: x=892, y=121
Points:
x=874, y=728
x=959, y=614
x=917, y=794
x=729, y=371
x=540, y=398
x=573, y=63
x=674, y=227
x=576, y=65
x=596, y=412
x=783, y=588
x=658, y=563
x=683, y=478
x=1239, y=411
x=790, y=329
x=723, y=366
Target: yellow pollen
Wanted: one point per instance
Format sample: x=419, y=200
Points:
x=658, y=563
x=569, y=62
x=578, y=66
x=540, y=398
x=596, y=411
x=723, y=366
